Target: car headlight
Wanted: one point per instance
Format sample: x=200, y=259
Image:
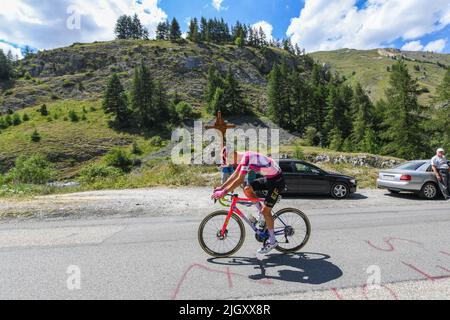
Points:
x=353, y=181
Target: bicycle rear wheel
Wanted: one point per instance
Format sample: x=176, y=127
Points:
x=209, y=234
x=292, y=230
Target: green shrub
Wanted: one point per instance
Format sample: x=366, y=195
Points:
x=311, y=136
x=35, y=137
x=95, y=171
x=184, y=111
x=25, y=117
x=43, y=110
x=33, y=169
x=298, y=152
x=3, y=123
x=16, y=119
x=135, y=149
x=156, y=141
x=73, y=116
x=8, y=120
x=118, y=158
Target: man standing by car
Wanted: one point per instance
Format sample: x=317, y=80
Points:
x=441, y=170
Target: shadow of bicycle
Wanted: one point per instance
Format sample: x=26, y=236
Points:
x=307, y=267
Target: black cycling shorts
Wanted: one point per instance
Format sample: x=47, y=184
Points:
x=274, y=187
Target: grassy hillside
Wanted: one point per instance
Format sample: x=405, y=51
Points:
x=69, y=145
x=370, y=68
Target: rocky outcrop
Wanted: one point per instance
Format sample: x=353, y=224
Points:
x=354, y=160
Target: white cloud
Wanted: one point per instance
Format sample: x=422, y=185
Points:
x=217, y=4
x=436, y=46
x=413, y=46
x=266, y=27
x=334, y=24
x=7, y=47
x=43, y=24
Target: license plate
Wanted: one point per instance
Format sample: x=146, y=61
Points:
x=390, y=178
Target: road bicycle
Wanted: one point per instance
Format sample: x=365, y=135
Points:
x=222, y=233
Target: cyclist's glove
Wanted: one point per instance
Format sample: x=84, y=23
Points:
x=219, y=194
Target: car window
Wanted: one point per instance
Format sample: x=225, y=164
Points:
x=286, y=167
x=304, y=168
x=410, y=165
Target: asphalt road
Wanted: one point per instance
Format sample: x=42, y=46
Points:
x=149, y=250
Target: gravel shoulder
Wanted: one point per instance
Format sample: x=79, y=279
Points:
x=158, y=202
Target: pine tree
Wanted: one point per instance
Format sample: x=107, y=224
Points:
x=234, y=100
x=217, y=102
x=43, y=110
x=193, y=33
x=403, y=133
x=331, y=119
x=204, y=30
x=369, y=142
x=438, y=124
x=262, y=38
x=27, y=51
x=363, y=119
x=160, y=104
x=300, y=92
x=6, y=71
x=138, y=31
x=123, y=29
x=443, y=90
x=336, y=140
x=175, y=31
x=115, y=102
x=142, y=98
x=214, y=81
x=162, y=31
x=35, y=137
x=318, y=110
x=16, y=119
x=275, y=94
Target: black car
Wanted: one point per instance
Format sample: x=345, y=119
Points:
x=305, y=178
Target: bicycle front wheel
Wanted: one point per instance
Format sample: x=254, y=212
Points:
x=210, y=239
x=292, y=230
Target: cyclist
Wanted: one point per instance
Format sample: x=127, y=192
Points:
x=272, y=181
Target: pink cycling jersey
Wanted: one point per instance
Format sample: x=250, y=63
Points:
x=259, y=163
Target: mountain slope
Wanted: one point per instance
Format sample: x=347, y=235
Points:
x=81, y=70
x=370, y=68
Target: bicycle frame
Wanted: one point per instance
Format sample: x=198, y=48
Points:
x=235, y=210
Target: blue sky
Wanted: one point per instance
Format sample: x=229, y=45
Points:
x=313, y=24
x=276, y=12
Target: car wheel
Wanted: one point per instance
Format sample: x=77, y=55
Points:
x=429, y=191
x=339, y=191
x=394, y=191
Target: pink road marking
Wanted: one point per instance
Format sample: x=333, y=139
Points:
x=337, y=294
x=228, y=273
x=446, y=253
x=391, y=292
x=390, y=245
x=426, y=275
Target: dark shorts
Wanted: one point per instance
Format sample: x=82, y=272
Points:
x=274, y=187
